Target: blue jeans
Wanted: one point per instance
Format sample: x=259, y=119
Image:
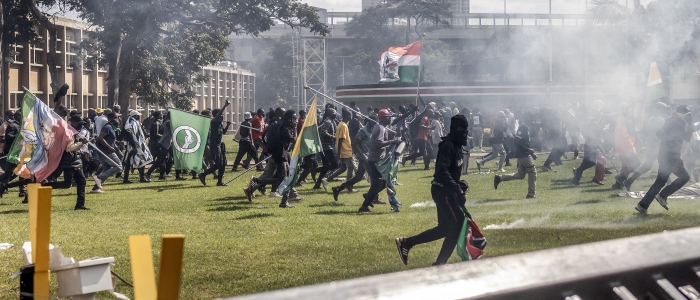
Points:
x=107, y=169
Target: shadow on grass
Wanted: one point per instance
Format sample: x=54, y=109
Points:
x=328, y=204
x=491, y=200
x=231, y=198
x=414, y=169
x=232, y=207
x=342, y=212
x=594, y=201
x=14, y=211
x=255, y=216
x=160, y=188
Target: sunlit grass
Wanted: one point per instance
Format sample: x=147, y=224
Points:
x=235, y=247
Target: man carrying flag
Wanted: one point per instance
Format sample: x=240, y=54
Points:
x=449, y=194
x=285, y=137
x=306, y=144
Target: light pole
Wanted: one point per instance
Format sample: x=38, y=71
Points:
x=343, y=57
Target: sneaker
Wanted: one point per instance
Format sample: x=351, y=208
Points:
x=81, y=208
x=616, y=186
x=575, y=183
x=599, y=182
x=97, y=191
x=496, y=181
x=324, y=183
x=202, y=179
x=262, y=190
x=478, y=166
x=22, y=194
x=248, y=195
x=234, y=170
x=144, y=180
x=641, y=209
x=180, y=178
x=501, y=170
x=481, y=150
x=336, y=192
x=364, y=209
x=396, y=183
x=403, y=249
x=275, y=195
x=221, y=184
x=98, y=182
x=286, y=205
x=168, y=175
x=295, y=199
x=662, y=201
x=531, y=197
x=546, y=168
x=126, y=181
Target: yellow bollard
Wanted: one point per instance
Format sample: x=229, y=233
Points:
x=40, y=235
x=142, y=267
x=172, y=251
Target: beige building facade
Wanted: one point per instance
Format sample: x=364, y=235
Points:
x=26, y=66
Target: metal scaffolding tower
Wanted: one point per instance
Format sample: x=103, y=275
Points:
x=296, y=70
x=314, y=69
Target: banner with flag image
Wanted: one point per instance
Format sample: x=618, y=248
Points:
x=189, y=139
x=655, y=88
x=472, y=242
x=400, y=63
x=43, y=138
x=308, y=142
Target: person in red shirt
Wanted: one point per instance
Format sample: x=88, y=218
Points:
x=421, y=141
x=258, y=122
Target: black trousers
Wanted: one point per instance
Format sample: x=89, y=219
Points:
x=420, y=149
x=450, y=219
x=555, y=156
x=160, y=154
x=361, y=170
x=330, y=163
x=218, y=155
x=127, y=167
x=245, y=147
x=376, y=184
x=667, y=166
x=308, y=165
x=68, y=175
x=9, y=175
x=651, y=156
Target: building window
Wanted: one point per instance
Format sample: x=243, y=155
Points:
x=36, y=56
x=16, y=100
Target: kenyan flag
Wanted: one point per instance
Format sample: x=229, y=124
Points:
x=400, y=63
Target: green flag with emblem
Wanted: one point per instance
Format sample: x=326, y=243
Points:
x=189, y=133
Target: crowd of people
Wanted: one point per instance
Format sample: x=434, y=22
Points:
x=354, y=144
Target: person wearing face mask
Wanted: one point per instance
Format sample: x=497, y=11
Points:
x=106, y=143
x=449, y=194
x=71, y=165
x=676, y=129
x=526, y=163
x=217, y=149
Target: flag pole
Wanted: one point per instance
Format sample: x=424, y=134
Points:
x=255, y=165
x=256, y=129
x=420, y=66
x=343, y=105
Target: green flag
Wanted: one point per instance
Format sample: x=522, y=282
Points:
x=190, y=132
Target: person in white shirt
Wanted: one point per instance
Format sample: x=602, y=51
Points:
x=437, y=133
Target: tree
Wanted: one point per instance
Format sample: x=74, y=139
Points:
x=163, y=43
x=17, y=23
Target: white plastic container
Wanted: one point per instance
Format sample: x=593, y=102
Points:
x=84, y=277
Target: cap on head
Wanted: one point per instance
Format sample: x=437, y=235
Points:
x=134, y=112
x=99, y=111
x=247, y=116
x=384, y=113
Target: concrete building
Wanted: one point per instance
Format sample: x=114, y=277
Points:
x=456, y=6
x=26, y=66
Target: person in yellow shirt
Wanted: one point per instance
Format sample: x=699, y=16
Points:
x=343, y=145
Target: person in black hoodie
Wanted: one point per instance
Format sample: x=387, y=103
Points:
x=449, y=194
x=11, y=132
x=326, y=132
x=678, y=128
x=71, y=166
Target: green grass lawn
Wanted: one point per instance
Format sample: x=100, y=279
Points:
x=234, y=247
